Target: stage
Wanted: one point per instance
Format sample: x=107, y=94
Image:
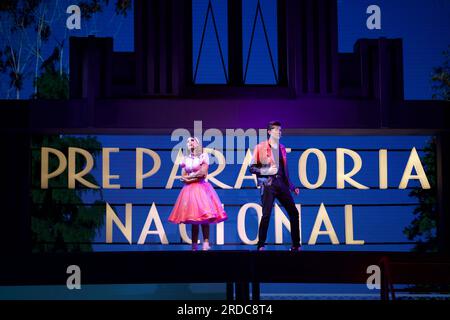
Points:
x=242, y=271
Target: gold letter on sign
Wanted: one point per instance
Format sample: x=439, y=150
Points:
x=153, y=216
x=242, y=175
x=343, y=177
x=140, y=162
x=106, y=176
x=414, y=162
x=349, y=226
x=112, y=217
x=45, y=175
x=173, y=174
x=241, y=221
x=221, y=165
x=322, y=216
x=302, y=162
x=78, y=176
x=382, y=166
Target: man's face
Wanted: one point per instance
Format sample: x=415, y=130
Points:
x=275, y=132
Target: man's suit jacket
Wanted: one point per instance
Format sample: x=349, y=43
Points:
x=263, y=159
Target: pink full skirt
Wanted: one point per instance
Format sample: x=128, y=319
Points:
x=198, y=203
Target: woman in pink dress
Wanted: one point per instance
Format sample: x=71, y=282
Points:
x=198, y=202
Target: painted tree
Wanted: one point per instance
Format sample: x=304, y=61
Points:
x=26, y=26
x=441, y=78
x=60, y=220
x=52, y=83
x=16, y=20
x=423, y=228
x=91, y=7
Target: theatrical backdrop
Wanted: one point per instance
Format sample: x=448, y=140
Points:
x=99, y=97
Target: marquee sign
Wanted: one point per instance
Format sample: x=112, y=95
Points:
x=345, y=183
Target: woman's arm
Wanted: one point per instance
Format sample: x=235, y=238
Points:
x=200, y=174
x=185, y=176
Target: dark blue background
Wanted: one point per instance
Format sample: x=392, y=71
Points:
x=423, y=25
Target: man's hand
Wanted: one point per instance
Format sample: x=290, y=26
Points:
x=272, y=170
x=297, y=191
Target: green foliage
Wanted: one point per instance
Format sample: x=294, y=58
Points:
x=122, y=7
x=16, y=76
x=90, y=7
x=423, y=227
x=19, y=18
x=441, y=78
x=29, y=24
x=21, y=11
x=52, y=84
x=16, y=80
x=60, y=222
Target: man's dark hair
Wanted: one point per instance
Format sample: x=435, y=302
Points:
x=273, y=124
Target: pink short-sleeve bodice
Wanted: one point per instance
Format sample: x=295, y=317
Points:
x=192, y=164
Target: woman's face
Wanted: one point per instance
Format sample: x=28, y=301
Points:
x=192, y=143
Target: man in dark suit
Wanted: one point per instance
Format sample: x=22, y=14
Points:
x=270, y=166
